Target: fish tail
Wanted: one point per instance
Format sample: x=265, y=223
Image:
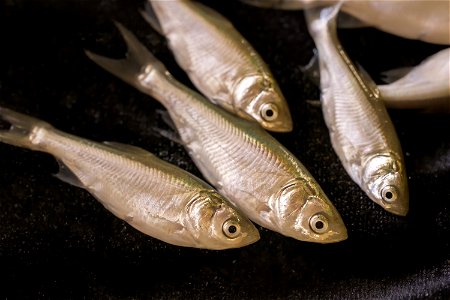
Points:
x=23, y=131
x=322, y=19
x=276, y=4
x=135, y=67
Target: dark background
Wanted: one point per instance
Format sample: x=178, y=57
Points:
x=57, y=241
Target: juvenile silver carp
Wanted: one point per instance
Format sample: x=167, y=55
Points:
x=361, y=131
x=425, y=87
x=262, y=178
x=155, y=197
x=425, y=20
x=220, y=62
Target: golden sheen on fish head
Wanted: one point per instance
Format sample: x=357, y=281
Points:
x=306, y=214
x=384, y=180
x=259, y=98
x=216, y=225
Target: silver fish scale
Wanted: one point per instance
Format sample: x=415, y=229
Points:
x=226, y=154
x=177, y=24
x=361, y=131
x=245, y=163
x=110, y=175
x=345, y=116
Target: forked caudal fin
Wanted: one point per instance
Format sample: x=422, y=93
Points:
x=23, y=130
x=322, y=19
x=137, y=62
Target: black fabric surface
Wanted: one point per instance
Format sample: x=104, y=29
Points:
x=57, y=241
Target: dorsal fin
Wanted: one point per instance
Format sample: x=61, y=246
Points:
x=213, y=15
x=371, y=85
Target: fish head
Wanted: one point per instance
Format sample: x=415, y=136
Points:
x=384, y=180
x=258, y=98
x=216, y=224
x=305, y=213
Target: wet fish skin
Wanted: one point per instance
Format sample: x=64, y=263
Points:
x=262, y=178
x=153, y=196
x=425, y=87
x=221, y=63
x=425, y=20
x=361, y=131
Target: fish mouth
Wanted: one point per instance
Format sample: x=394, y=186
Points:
x=337, y=234
x=398, y=207
x=283, y=123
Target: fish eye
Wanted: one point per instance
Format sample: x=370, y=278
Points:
x=389, y=194
x=231, y=229
x=318, y=223
x=269, y=112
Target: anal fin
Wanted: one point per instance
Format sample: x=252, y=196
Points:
x=395, y=74
x=149, y=15
x=66, y=175
x=312, y=68
x=169, y=134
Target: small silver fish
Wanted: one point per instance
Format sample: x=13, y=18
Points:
x=425, y=87
x=425, y=20
x=155, y=197
x=361, y=131
x=245, y=163
x=220, y=62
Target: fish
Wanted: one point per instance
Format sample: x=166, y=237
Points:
x=425, y=87
x=424, y=20
x=220, y=62
x=153, y=196
x=361, y=131
x=238, y=157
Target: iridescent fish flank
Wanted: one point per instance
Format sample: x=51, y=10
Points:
x=220, y=62
x=155, y=197
x=425, y=20
x=425, y=87
x=238, y=157
x=361, y=131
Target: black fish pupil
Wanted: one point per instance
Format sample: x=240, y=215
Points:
x=269, y=113
x=232, y=229
x=319, y=224
x=389, y=195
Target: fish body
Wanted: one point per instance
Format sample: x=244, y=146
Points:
x=221, y=63
x=361, y=131
x=425, y=20
x=238, y=157
x=155, y=197
x=425, y=87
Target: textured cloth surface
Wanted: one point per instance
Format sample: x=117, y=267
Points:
x=57, y=241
